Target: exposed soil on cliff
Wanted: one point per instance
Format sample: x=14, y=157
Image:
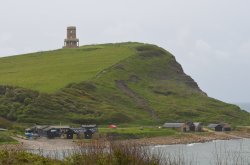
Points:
x=139, y=100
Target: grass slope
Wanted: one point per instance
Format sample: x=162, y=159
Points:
x=145, y=85
x=52, y=70
x=6, y=139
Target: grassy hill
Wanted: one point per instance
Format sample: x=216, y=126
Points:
x=51, y=70
x=120, y=83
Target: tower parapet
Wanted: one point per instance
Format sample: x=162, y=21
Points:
x=71, y=41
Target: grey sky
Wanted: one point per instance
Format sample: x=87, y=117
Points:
x=210, y=38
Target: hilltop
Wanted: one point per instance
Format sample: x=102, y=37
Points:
x=50, y=71
x=120, y=83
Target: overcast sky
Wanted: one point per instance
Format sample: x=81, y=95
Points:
x=209, y=38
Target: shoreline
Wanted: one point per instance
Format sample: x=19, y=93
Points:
x=182, y=138
x=188, y=138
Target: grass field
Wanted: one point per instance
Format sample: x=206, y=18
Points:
x=137, y=132
x=5, y=138
x=51, y=70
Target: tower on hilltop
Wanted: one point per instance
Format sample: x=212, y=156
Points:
x=71, y=41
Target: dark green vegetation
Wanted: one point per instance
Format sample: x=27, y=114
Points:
x=5, y=138
x=114, y=83
x=119, y=153
x=13, y=157
x=87, y=154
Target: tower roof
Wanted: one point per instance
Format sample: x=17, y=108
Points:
x=71, y=27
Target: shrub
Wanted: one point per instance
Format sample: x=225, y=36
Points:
x=16, y=155
x=113, y=153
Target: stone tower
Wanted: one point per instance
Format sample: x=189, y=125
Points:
x=71, y=41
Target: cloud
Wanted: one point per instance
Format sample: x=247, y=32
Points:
x=244, y=48
x=201, y=45
x=7, y=51
x=5, y=37
x=122, y=31
x=222, y=55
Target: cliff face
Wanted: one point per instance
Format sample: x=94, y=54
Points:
x=147, y=87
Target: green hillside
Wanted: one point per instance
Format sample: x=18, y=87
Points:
x=52, y=70
x=137, y=84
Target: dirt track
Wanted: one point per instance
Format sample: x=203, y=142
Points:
x=47, y=144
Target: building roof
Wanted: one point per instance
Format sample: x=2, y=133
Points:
x=84, y=129
x=224, y=125
x=3, y=129
x=56, y=127
x=46, y=129
x=89, y=126
x=59, y=126
x=71, y=27
x=39, y=126
x=173, y=125
x=196, y=124
x=213, y=125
